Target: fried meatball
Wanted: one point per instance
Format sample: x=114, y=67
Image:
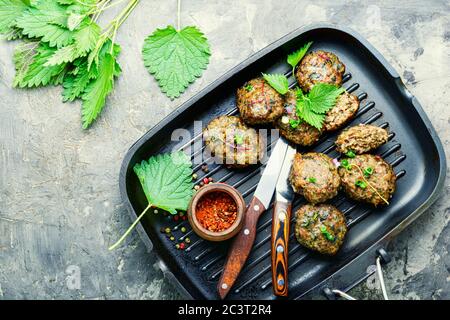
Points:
x=258, y=102
x=345, y=108
x=361, y=139
x=319, y=66
x=294, y=129
x=314, y=176
x=365, y=173
x=320, y=228
x=232, y=142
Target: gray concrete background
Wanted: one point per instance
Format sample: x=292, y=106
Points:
x=59, y=197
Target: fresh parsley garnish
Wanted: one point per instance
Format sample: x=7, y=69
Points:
x=294, y=58
x=345, y=164
x=361, y=183
x=326, y=233
x=312, y=179
x=176, y=57
x=350, y=154
x=277, y=81
x=368, y=172
x=166, y=180
x=313, y=106
x=294, y=123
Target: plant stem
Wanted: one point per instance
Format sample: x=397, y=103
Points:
x=130, y=228
x=178, y=15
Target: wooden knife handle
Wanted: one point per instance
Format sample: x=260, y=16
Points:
x=240, y=248
x=280, y=241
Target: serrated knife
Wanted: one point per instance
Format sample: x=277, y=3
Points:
x=281, y=218
x=242, y=244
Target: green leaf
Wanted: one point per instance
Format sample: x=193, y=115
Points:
x=86, y=37
x=62, y=55
x=35, y=74
x=176, y=58
x=74, y=20
x=294, y=58
x=305, y=112
x=167, y=181
x=323, y=96
x=97, y=90
x=45, y=20
x=277, y=81
x=24, y=56
x=10, y=10
x=75, y=84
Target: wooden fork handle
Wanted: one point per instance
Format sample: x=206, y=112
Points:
x=280, y=242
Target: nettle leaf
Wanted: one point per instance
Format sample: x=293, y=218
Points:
x=10, y=10
x=86, y=37
x=24, y=56
x=305, y=112
x=294, y=58
x=62, y=55
x=324, y=96
x=167, y=181
x=46, y=20
x=34, y=73
x=176, y=58
x=75, y=84
x=95, y=93
x=277, y=81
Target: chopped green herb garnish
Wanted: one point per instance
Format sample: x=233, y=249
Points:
x=360, y=183
x=238, y=139
x=294, y=123
x=326, y=233
x=248, y=87
x=368, y=171
x=350, y=154
x=312, y=179
x=345, y=164
x=305, y=222
x=315, y=216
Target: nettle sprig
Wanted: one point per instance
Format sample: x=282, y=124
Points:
x=63, y=44
x=312, y=106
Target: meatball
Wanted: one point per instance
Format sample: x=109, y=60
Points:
x=367, y=178
x=320, y=228
x=361, y=139
x=294, y=129
x=319, y=66
x=345, y=108
x=258, y=102
x=232, y=142
x=315, y=176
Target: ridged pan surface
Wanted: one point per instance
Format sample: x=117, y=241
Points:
x=413, y=150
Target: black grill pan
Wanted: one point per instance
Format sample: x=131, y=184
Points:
x=413, y=149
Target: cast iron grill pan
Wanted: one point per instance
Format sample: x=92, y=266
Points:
x=413, y=150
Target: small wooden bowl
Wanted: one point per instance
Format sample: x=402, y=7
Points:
x=225, y=234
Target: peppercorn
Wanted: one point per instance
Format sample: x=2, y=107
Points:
x=155, y=211
x=205, y=168
x=177, y=246
x=167, y=230
x=201, y=183
x=196, y=187
x=181, y=214
x=183, y=229
x=194, y=176
x=175, y=218
x=172, y=238
x=182, y=245
x=210, y=179
x=184, y=218
x=187, y=240
x=205, y=180
x=162, y=230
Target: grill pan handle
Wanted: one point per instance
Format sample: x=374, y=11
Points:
x=382, y=258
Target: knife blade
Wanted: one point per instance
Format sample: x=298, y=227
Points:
x=243, y=242
x=281, y=218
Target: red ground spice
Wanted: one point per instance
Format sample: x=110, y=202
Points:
x=216, y=211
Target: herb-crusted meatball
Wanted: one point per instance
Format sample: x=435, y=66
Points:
x=367, y=178
x=345, y=108
x=319, y=66
x=294, y=129
x=314, y=176
x=258, y=102
x=361, y=139
x=232, y=142
x=320, y=228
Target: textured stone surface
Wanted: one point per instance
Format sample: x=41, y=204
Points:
x=59, y=199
